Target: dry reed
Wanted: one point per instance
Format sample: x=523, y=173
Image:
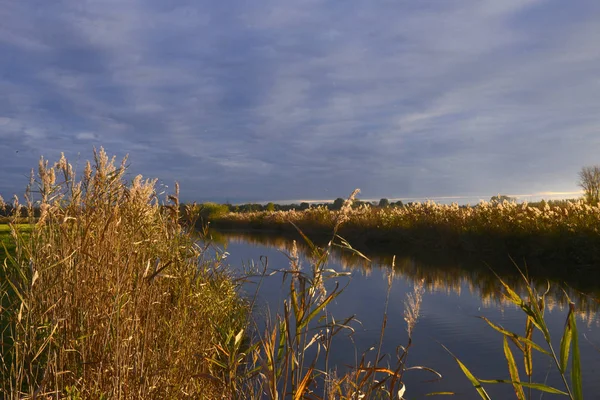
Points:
x=105, y=297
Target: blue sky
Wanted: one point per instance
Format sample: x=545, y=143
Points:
x=273, y=100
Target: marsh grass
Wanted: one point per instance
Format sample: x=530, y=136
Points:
x=105, y=298
x=106, y=293
x=566, y=360
x=566, y=231
x=291, y=359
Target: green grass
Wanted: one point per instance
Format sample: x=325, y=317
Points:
x=7, y=242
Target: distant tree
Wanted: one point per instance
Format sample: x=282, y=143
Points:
x=501, y=198
x=399, y=203
x=589, y=180
x=337, y=204
x=212, y=210
x=270, y=207
x=304, y=206
x=384, y=203
x=357, y=203
x=250, y=207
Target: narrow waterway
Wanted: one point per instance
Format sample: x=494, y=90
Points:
x=456, y=292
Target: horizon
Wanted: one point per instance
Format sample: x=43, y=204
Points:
x=461, y=200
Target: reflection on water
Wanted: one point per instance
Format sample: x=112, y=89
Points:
x=457, y=291
x=439, y=276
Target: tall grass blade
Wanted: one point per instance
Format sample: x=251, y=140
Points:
x=441, y=394
x=303, y=386
x=537, y=386
x=512, y=369
x=319, y=308
x=474, y=381
x=565, y=343
x=515, y=336
x=527, y=353
x=576, y=360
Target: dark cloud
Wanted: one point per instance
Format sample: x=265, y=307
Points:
x=306, y=99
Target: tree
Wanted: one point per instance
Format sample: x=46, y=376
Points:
x=337, y=204
x=270, y=207
x=210, y=210
x=589, y=180
x=501, y=198
x=384, y=203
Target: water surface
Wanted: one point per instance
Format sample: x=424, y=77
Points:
x=456, y=293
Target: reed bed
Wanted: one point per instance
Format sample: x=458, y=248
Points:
x=574, y=217
x=107, y=296
x=569, y=231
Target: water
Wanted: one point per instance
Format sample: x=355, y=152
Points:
x=456, y=293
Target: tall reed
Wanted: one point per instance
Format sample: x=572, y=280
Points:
x=292, y=356
x=533, y=306
x=105, y=298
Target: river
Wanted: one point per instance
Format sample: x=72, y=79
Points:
x=456, y=292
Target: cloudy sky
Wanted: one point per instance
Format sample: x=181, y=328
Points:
x=306, y=99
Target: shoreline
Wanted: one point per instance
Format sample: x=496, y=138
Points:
x=563, y=258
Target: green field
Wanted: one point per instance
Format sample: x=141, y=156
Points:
x=6, y=240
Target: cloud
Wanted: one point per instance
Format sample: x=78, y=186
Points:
x=86, y=136
x=307, y=99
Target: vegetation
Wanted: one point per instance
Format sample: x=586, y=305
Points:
x=7, y=244
x=562, y=230
x=336, y=205
x=106, y=297
x=106, y=294
x=589, y=180
x=534, y=306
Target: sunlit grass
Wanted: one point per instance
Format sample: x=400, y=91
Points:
x=7, y=240
x=484, y=217
x=107, y=296
x=568, y=231
x=566, y=360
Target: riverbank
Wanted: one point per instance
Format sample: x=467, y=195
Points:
x=567, y=235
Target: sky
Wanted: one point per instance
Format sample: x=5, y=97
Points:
x=306, y=99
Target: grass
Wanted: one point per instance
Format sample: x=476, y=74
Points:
x=7, y=243
x=534, y=305
x=106, y=294
x=565, y=232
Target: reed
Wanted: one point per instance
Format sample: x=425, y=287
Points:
x=106, y=293
x=291, y=358
x=533, y=306
x=562, y=231
x=105, y=296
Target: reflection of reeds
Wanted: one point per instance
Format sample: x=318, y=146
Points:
x=412, y=306
x=567, y=231
x=440, y=278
